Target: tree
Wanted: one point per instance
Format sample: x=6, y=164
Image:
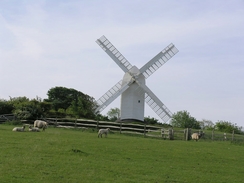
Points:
x=71, y=102
x=100, y=117
x=228, y=127
x=182, y=119
x=61, y=97
x=206, y=124
x=5, y=107
x=114, y=114
x=150, y=120
x=27, y=109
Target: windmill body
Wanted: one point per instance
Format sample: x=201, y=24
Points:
x=132, y=88
x=133, y=99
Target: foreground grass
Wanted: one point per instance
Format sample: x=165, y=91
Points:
x=65, y=155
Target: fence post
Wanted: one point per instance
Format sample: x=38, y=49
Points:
x=120, y=128
x=187, y=134
x=233, y=135
x=171, y=134
x=162, y=133
x=97, y=124
x=144, y=129
x=75, y=122
x=56, y=123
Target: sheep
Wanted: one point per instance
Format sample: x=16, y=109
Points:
x=103, y=131
x=32, y=129
x=196, y=136
x=40, y=124
x=19, y=129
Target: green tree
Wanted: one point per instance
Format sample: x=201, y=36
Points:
x=113, y=114
x=61, y=97
x=150, y=120
x=26, y=109
x=46, y=109
x=71, y=102
x=182, y=119
x=225, y=126
x=100, y=117
x=6, y=107
x=206, y=124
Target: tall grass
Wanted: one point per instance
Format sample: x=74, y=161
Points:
x=66, y=155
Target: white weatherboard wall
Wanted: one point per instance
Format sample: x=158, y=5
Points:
x=132, y=101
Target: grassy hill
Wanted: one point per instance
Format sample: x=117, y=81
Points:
x=69, y=155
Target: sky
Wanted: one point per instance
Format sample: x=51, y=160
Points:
x=49, y=43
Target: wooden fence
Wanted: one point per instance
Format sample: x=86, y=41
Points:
x=121, y=127
x=132, y=128
x=142, y=129
x=6, y=117
x=220, y=136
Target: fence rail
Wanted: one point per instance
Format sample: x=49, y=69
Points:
x=6, y=117
x=131, y=128
x=142, y=129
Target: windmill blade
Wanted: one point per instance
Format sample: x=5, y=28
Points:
x=157, y=106
x=155, y=63
x=119, y=59
x=111, y=95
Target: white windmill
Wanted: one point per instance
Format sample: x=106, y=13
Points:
x=132, y=87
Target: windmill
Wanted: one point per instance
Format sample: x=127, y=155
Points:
x=132, y=87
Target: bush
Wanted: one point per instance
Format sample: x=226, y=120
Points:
x=228, y=127
x=14, y=122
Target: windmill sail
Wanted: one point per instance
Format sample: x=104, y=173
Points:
x=120, y=60
x=160, y=59
x=111, y=95
x=157, y=106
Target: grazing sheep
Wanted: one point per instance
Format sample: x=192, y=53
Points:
x=32, y=129
x=103, y=131
x=40, y=124
x=196, y=136
x=19, y=129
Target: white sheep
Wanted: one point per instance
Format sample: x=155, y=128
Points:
x=103, y=131
x=196, y=136
x=33, y=129
x=19, y=129
x=40, y=124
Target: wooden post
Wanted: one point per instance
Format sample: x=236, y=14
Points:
x=187, y=131
x=75, y=122
x=233, y=135
x=56, y=123
x=97, y=124
x=120, y=128
x=144, y=129
x=171, y=134
x=162, y=133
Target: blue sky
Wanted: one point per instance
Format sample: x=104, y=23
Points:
x=48, y=43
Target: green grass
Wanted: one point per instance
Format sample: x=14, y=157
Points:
x=66, y=155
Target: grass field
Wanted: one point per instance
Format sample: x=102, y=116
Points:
x=66, y=155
